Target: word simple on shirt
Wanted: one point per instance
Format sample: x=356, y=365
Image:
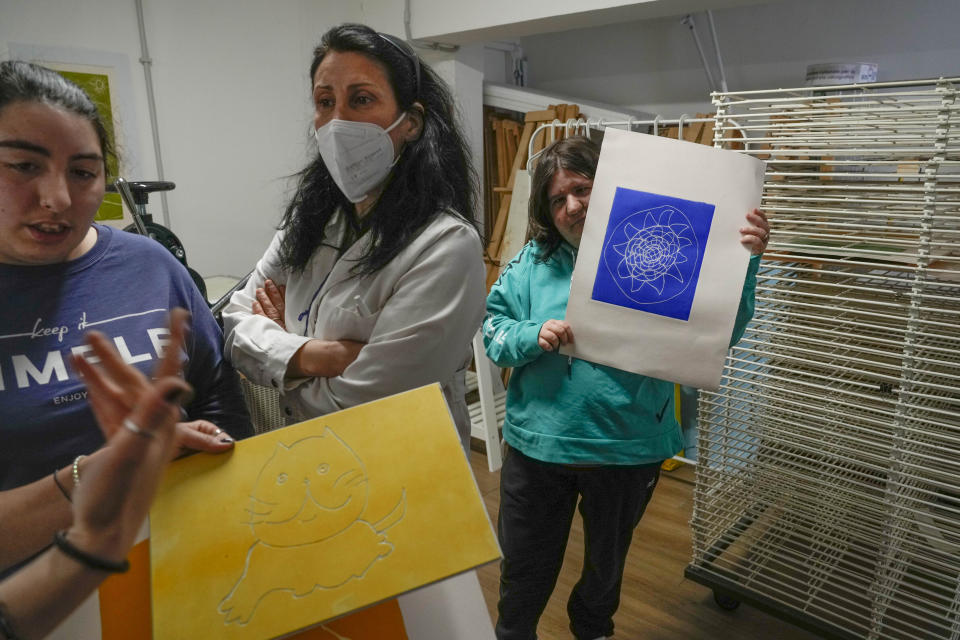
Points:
x=26, y=372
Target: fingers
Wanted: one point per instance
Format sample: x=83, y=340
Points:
x=116, y=370
x=98, y=384
x=201, y=435
x=547, y=339
x=157, y=410
x=755, y=236
x=277, y=295
x=270, y=302
x=754, y=244
x=553, y=338
x=106, y=399
x=266, y=305
x=758, y=218
x=554, y=333
x=170, y=364
x=118, y=486
x=112, y=386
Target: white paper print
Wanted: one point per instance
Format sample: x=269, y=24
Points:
x=660, y=268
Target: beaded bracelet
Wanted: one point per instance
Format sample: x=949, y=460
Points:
x=76, y=470
x=92, y=561
x=5, y=627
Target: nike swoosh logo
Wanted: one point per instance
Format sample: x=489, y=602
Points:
x=664, y=408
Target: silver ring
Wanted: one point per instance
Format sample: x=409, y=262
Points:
x=218, y=432
x=130, y=425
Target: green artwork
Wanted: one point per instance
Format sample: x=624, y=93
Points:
x=97, y=87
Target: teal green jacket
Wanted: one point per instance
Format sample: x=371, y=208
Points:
x=571, y=411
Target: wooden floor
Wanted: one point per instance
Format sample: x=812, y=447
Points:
x=657, y=602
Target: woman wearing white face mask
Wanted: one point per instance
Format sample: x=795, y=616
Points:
x=374, y=283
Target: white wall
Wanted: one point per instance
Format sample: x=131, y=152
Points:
x=232, y=99
x=653, y=65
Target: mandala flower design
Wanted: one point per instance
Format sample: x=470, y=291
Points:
x=657, y=253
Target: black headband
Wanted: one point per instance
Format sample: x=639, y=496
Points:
x=408, y=51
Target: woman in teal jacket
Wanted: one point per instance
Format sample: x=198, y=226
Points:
x=574, y=429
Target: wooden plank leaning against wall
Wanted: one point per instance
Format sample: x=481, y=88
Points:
x=505, y=153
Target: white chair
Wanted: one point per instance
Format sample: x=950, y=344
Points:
x=486, y=414
x=263, y=403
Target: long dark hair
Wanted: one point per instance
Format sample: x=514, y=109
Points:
x=577, y=154
x=433, y=174
x=27, y=82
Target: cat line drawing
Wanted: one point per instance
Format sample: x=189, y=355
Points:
x=307, y=513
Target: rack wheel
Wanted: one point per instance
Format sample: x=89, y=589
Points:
x=725, y=602
x=165, y=237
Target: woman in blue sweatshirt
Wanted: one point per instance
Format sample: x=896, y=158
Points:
x=575, y=430
x=60, y=275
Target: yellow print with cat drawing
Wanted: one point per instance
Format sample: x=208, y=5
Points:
x=307, y=511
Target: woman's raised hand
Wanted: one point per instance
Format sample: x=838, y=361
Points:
x=138, y=418
x=115, y=388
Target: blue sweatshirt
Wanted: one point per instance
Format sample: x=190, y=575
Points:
x=123, y=287
x=573, y=411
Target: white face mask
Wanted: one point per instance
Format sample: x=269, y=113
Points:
x=358, y=155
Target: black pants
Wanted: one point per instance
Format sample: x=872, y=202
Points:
x=537, y=500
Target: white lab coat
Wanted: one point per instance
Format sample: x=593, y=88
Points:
x=417, y=315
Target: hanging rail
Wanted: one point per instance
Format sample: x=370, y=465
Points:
x=575, y=126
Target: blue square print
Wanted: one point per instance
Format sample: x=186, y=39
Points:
x=652, y=252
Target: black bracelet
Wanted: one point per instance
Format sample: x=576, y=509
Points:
x=56, y=481
x=92, y=561
x=5, y=627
